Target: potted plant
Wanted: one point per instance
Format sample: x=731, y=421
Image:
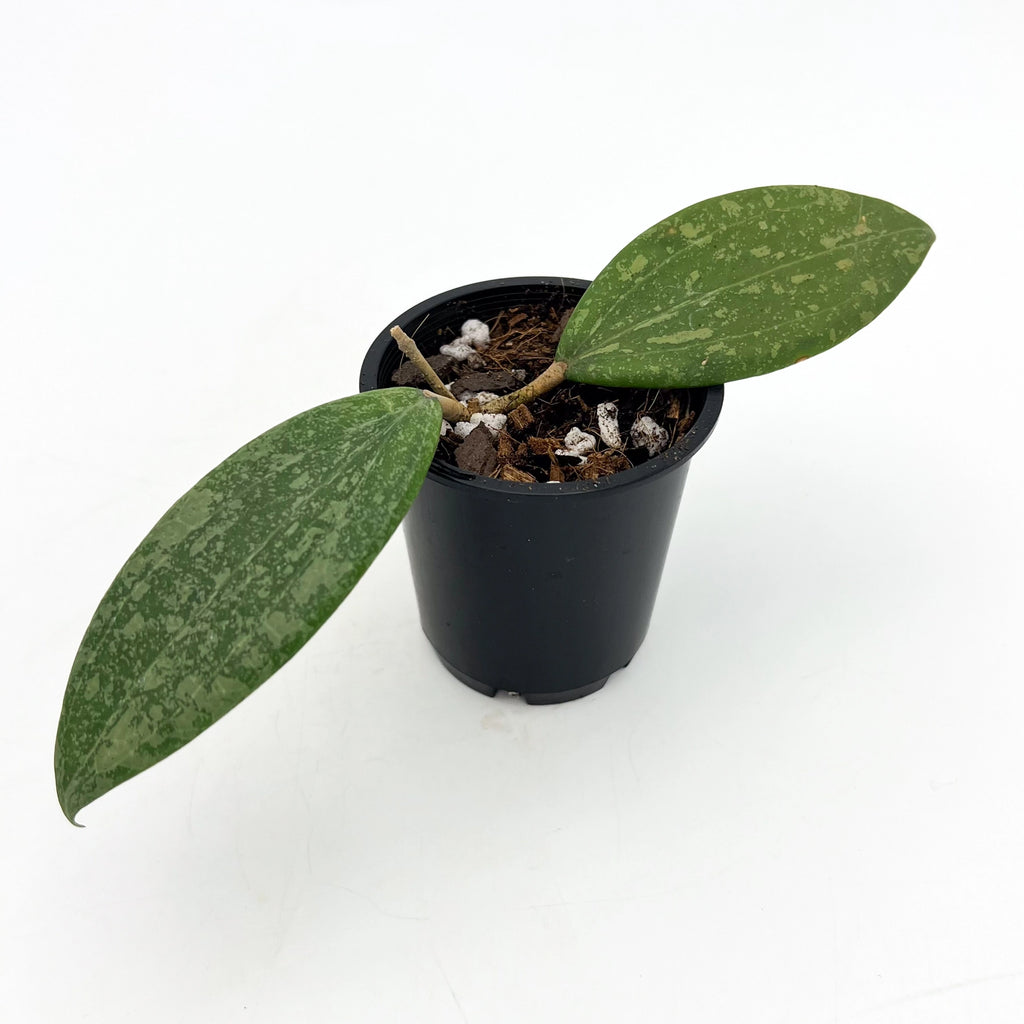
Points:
x=251, y=561
x=536, y=587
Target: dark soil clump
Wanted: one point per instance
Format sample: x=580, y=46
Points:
x=522, y=345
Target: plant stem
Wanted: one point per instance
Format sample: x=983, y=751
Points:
x=547, y=381
x=455, y=412
x=410, y=351
x=452, y=410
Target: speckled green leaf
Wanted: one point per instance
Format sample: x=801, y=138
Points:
x=234, y=579
x=740, y=285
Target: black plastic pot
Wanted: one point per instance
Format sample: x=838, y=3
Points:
x=540, y=589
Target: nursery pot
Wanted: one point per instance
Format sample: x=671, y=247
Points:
x=545, y=589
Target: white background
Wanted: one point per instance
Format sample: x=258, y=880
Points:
x=801, y=803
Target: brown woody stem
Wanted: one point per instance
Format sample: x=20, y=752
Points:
x=451, y=410
x=547, y=381
x=410, y=351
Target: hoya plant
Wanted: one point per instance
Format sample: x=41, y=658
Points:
x=249, y=563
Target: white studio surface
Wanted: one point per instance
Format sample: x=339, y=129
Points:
x=801, y=803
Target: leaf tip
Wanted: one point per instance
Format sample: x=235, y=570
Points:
x=65, y=782
x=68, y=806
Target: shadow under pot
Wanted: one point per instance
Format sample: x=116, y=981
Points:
x=545, y=589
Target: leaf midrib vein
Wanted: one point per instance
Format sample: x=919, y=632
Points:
x=703, y=296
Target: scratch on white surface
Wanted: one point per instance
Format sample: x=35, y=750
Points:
x=615, y=803
x=373, y=903
x=451, y=988
x=931, y=993
x=629, y=752
x=309, y=822
x=601, y=900
x=191, y=803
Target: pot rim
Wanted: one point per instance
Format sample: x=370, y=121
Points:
x=446, y=473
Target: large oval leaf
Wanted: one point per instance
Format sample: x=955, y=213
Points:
x=742, y=285
x=234, y=579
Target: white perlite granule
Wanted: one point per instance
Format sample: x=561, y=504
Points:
x=493, y=421
x=459, y=349
x=608, y=424
x=477, y=334
x=647, y=434
x=578, y=442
